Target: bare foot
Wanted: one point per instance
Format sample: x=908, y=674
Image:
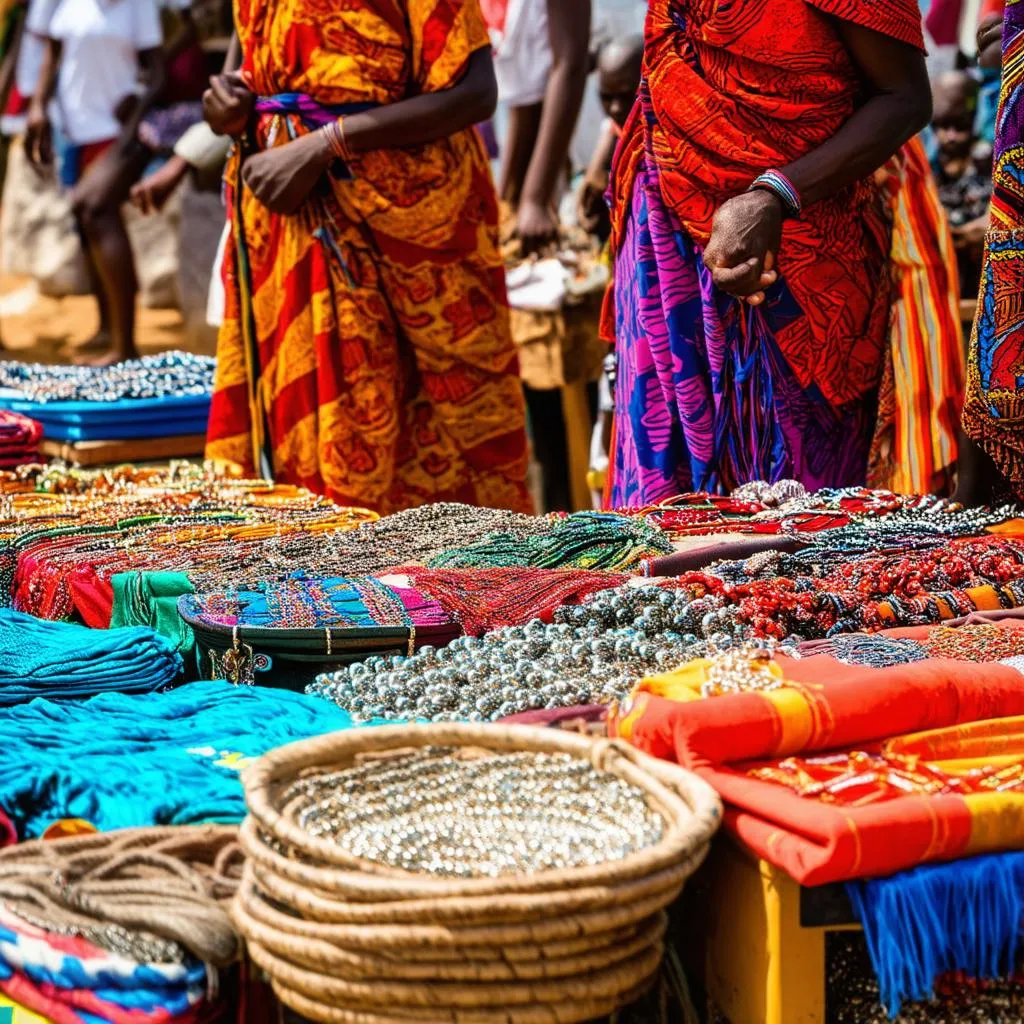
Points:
x=99, y=342
x=108, y=358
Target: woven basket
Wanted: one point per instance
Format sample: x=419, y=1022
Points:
x=356, y=942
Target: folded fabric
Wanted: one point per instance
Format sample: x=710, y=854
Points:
x=922, y=711
x=151, y=599
x=965, y=917
x=163, y=759
x=72, y=962
x=60, y=660
x=56, y=1009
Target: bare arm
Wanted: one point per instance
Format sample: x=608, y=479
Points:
x=430, y=116
x=282, y=177
x=569, y=28
x=153, y=64
x=233, y=58
x=38, y=134
x=899, y=105
x=591, y=206
x=747, y=229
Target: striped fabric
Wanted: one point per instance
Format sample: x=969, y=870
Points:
x=916, y=442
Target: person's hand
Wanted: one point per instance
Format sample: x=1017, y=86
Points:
x=590, y=204
x=38, y=139
x=536, y=227
x=283, y=177
x=150, y=194
x=972, y=234
x=228, y=103
x=126, y=106
x=990, y=42
x=745, y=236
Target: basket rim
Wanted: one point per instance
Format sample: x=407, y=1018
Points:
x=691, y=808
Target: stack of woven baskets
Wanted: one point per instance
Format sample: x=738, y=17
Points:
x=347, y=936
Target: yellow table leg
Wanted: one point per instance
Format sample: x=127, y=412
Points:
x=761, y=965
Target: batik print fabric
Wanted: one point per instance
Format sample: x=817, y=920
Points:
x=366, y=340
x=994, y=404
x=712, y=393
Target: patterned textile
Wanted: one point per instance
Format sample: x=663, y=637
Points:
x=366, y=340
x=309, y=602
x=162, y=128
x=76, y=975
x=994, y=404
x=926, y=712
x=915, y=448
x=712, y=393
x=19, y=439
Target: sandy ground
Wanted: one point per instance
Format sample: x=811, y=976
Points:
x=44, y=330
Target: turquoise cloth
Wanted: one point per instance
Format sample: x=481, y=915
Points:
x=163, y=759
x=59, y=660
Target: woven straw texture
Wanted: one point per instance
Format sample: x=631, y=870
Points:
x=352, y=941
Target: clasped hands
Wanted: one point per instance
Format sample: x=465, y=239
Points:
x=281, y=178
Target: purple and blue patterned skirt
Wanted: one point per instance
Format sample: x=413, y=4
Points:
x=705, y=399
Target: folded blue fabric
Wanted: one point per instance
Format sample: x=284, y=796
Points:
x=162, y=759
x=59, y=660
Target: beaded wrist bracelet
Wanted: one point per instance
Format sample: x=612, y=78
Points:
x=335, y=134
x=780, y=186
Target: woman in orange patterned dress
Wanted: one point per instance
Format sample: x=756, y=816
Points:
x=365, y=351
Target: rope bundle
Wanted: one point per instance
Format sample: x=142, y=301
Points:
x=346, y=940
x=169, y=883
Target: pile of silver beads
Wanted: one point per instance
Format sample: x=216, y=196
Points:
x=591, y=653
x=496, y=814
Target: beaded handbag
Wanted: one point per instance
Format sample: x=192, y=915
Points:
x=284, y=634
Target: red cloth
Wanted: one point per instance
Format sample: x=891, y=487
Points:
x=8, y=833
x=495, y=12
x=943, y=21
x=991, y=7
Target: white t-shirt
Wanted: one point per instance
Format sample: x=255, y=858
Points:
x=522, y=53
x=101, y=40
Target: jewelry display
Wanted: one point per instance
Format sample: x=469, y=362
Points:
x=172, y=374
x=434, y=813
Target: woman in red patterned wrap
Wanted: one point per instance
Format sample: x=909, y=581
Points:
x=752, y=288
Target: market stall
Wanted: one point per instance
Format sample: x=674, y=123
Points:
x=815, y=660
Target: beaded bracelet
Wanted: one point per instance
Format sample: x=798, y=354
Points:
x=335, y=133
x=779, y=185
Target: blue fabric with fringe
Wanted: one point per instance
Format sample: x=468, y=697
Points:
x=965, y=916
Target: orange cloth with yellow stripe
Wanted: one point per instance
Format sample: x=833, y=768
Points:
x=952, y=713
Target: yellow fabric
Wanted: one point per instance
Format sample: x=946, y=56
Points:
x=684, y=684
x=21, y=1015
